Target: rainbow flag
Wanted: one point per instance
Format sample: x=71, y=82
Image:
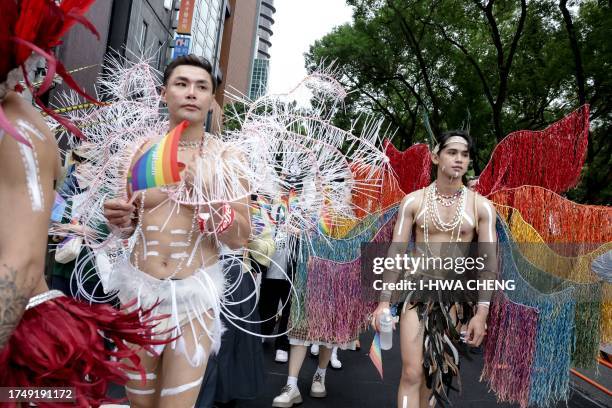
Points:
x=290, y=201
x=325, y=221
x=159, y=166
x=376, y=354
x=59, y=207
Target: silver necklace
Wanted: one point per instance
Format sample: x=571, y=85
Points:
x=183, y=145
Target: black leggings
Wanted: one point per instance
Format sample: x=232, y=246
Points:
x=272, y=291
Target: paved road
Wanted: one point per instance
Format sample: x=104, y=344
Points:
x=358, y=385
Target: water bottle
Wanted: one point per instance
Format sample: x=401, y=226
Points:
x=386, y=329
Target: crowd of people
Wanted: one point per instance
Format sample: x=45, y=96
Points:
x=201, y=357
x=171, y=278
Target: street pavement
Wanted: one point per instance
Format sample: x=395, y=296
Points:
x=358, y=385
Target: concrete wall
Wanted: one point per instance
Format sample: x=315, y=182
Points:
x=159, y=29
x=81, y=48
x=237, y=48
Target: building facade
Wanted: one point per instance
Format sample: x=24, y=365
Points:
x=81, y=50
x=143, y=27
x=207, y=29
x=238, y=50
x=234, y=35
x=199, y=29
x=261, y=64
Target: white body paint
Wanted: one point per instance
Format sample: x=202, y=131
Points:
x=490, y=221
x=402, y=212
x=148, y=376
x=30, y=163
x=179, y=255
x=28, y=127
x=468, y=218
x=140, y=392
x=179, y=244
x=181, y=388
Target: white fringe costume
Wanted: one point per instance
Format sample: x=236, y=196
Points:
x=277, y=138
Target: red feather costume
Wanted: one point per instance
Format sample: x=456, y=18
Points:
x=32, y=28
x=60, y=342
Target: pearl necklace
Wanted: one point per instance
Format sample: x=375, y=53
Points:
x=432, y=212
x=447, y=200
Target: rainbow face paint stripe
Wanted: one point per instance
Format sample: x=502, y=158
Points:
x=159, y=166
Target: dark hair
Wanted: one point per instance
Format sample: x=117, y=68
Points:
x=443, y=139
x=194, y=61
x=78, y=158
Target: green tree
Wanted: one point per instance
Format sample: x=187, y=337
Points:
x=507, y=65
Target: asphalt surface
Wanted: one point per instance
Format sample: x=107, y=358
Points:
x=358, y=384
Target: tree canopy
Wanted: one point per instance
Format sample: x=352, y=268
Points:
x=497, y=65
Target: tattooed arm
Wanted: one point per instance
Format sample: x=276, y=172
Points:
x=26, y=196
x=13, y=302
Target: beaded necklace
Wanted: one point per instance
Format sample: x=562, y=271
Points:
x=194, y=144
x=432, y=212
x=447, y=200
x=190, y=145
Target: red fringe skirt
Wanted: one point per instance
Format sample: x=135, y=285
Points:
x=60, y=342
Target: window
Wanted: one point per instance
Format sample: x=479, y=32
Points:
x=143, y=35
x=160, y=55
x=259, y=78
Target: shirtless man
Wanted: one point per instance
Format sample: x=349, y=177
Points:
x=26, y=198
x=174, y=260
x=453, y=213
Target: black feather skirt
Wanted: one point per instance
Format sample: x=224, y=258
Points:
x=442, y=344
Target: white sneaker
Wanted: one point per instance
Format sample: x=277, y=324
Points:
x=281, y=356
x=314, y=349
x=317, y=389
x=335, y=363
x=290, y=395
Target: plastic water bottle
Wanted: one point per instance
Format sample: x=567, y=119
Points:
x=386, y=329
